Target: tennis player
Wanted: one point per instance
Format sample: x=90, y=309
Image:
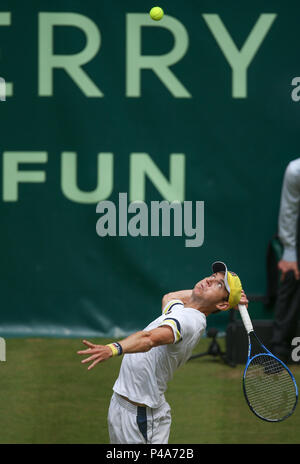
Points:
x=138, y=411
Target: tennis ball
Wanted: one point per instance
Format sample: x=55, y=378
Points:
x=156, y=13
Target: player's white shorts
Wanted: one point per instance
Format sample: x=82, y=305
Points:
x=129, y=424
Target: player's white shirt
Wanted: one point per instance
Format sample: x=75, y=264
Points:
x=143, y=377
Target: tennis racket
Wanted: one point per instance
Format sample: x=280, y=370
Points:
x=269, y=386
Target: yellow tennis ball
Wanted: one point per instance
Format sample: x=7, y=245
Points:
x=156, y=13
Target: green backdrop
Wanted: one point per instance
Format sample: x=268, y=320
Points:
x=196, y=107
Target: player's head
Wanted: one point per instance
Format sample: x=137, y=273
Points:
x=220, y=291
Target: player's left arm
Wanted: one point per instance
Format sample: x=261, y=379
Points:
x=138, y=342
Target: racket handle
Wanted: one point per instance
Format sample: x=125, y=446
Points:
x=246, y=318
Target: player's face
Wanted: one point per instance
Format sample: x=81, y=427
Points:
x=212, y=289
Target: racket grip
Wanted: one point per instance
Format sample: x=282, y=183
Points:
x=246, y=318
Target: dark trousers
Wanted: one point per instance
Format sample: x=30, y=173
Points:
x=287, y=311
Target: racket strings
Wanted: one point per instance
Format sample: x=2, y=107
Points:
x=269, y=388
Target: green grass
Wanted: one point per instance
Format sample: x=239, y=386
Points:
x=48, y=397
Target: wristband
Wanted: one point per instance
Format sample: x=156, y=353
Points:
x=116, y=349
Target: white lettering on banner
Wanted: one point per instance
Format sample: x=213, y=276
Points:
x=159, y=64
x=72, y=64
x=142, y=167
x=105, y=163
x=13, y=176
x=239, y=60
x=48, y=61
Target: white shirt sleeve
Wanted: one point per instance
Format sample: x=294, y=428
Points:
x=289, y=210
x=172, y=304
x=171, y=321
x=185, y=325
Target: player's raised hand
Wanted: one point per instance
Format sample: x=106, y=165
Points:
x=97, y=353
x=243, y=300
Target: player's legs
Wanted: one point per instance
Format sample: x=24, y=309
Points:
x=129, y=424
x=121, y=423
x=161, y=424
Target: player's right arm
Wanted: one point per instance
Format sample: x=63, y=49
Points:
x=138, y=342
x=183, y=295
